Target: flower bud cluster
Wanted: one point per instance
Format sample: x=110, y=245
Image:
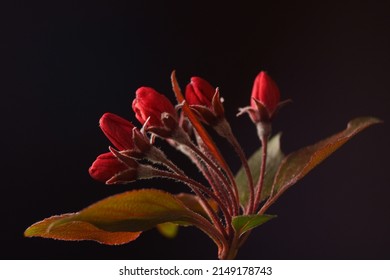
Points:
x=135, y=156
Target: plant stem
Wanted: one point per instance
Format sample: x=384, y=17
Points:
x=260, y=183
x=228, y=134
x=205, y=226
x=233, y=197
x=231, y=253
x=159, y=157
x=210, y=177
x=198, y=189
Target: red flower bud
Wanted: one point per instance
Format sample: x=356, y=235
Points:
x=266, y=92
x=205, y=101
x=105, y=167
x=149, y=103
x=199, y=92
x=117, y=130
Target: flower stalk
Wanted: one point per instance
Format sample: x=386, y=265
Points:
x=260, y=184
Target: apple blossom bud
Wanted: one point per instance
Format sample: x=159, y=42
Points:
x=266, y=92
x=105, y=167
x=199, y=92
x=117, y=130
x=148, y=103
x=204, y=99
x=133, y=172
x=130, y=174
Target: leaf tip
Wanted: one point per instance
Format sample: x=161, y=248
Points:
x=364, y=122
x=27, y=232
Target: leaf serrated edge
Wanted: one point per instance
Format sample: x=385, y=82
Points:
x=369, y=121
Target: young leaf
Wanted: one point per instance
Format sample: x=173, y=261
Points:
x=299, y=163
x=75, y=231
x=274, y=158
x=242, y=224
x=126, y=213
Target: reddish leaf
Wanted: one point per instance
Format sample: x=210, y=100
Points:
x=74, y=231
x=299, y=163
x=117, y=219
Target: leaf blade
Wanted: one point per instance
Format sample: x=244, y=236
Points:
x=244, y=223
x=77, y=231
x=119, y=216
x=298, y=164
x=135, y=210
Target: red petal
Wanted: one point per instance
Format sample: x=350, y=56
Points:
x=266, y=92
x=118, y=131
x=105, y=167
x=199, y=92
x=149, y=103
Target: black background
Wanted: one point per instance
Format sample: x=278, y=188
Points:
x=65, y=63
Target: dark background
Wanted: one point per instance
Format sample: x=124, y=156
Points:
x=66, y=63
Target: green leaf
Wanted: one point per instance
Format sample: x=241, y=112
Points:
x=169, y=230
x=242, y=224
x=296, y=165
x=75, y=231
x=135, y=210
x=274, y=158
x=132, y=211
